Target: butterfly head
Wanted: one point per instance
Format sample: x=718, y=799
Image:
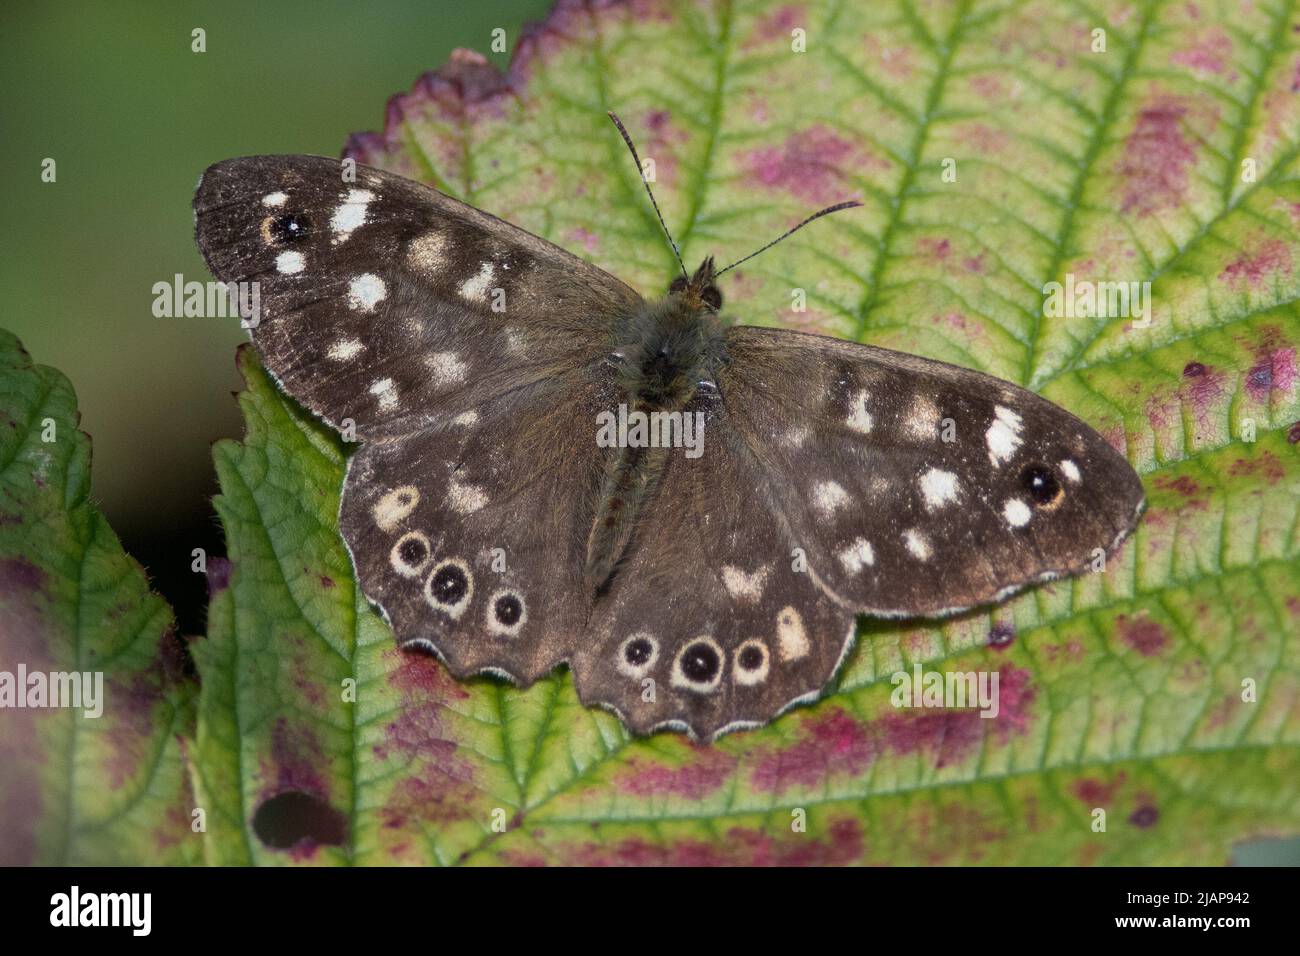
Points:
x=699, y=293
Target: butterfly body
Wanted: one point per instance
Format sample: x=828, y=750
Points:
x=704, y=584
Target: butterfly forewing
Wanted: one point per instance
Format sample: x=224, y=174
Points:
x=915, y=487
x=389, y=304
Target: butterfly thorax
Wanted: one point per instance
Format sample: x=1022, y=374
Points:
x=665, y=352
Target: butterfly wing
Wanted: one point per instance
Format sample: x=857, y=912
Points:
x=916, y=487
x=710, y=623
x=464, y=350
x=470, y=535
x=388, y=303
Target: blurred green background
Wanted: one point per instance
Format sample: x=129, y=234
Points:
x=113, y=93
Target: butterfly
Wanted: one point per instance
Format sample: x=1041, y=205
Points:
x=705, y=582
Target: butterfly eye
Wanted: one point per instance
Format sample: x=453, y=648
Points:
x=450, y=587
x=699, y=665
x=507, y=613
x=290, y=227
x=712, y=298
x=678, y=284
x=637, y=655
x=638, y=652
x=410, y=554
x=507, y=609
x=752, y=663
x=1040, y=484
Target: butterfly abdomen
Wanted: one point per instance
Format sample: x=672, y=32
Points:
x=663, y=351
x=629, y=483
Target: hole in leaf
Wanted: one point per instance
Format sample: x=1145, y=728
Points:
x=294, y=817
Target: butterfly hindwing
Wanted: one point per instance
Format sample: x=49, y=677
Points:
x=388, y=303
x=470, y=535
x=711, y=623
x=916, y=487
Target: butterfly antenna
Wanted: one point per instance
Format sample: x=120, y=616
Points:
x=628, y=139
x=817, y=215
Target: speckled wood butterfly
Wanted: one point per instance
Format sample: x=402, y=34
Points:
x=704, y=587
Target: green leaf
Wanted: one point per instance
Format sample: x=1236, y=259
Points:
x=1127, y=691
x=79, y=787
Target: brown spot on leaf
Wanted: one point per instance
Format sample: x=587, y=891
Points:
x=739, y=846
x=1208, y=53
x=1144, y=635
x=703, y=773
x=218, y=574
x=835, y=743
x=1274, y=370
x=1145, y=816
x=830, y=743
x=812, y=164
x=1001, y=635
x=1098, y=793
x=1253, y=266
x=1156, y=158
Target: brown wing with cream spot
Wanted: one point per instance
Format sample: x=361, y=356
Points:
x=388, y=303
x=709, y=623
x=916, y=487
x=470, y=535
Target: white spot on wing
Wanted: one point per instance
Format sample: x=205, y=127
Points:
x=465, y=499
x=917, y=544
x=922, y=421
x=447, y=368
x=426, y=253
x=1016, y=512
x=386, y=392
x=467, y=419
x=274, y=199
x=345, y=349
x=475, y=288
x=857, y=555
x=859, y=418
x=938, y=487
x=289, y=263
x=366, y=291
x=742, y=586
x=351, y=213
x=394, y=506
x=795, y=436
x=1003, y=436
x=829, y=497
x=791, y=635
x=1071, y=470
